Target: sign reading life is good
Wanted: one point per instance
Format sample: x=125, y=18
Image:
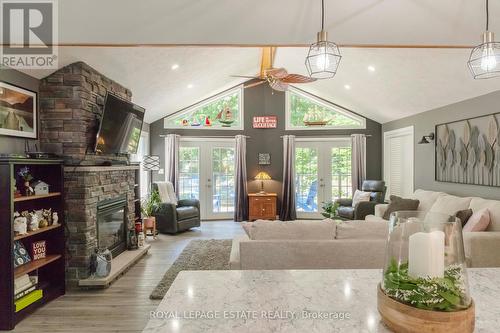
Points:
x=265, y=122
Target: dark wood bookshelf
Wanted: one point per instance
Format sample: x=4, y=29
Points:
x=50, y=270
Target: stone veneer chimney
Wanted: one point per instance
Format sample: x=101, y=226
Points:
x=71, y=105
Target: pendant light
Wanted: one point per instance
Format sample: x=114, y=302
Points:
x=484, y=60
x=324, y=57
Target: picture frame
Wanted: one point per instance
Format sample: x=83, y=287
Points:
x=18, y=111
x=264, y=159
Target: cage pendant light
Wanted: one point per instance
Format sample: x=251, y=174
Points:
x=324, y=57
x=484, y=60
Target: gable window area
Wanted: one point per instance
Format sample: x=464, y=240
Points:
x=222, y=111
x=308, y=112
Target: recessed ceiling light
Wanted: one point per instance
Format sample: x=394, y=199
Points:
x=174, y=67
x=347, y=87
x=371, y=68
x=190, y=86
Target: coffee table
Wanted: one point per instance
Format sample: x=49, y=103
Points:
x=295, y=301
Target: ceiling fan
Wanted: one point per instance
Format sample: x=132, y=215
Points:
x=277, y=78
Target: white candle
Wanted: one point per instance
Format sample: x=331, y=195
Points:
x=426, y=254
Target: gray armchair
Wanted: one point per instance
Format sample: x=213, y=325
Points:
x=171, y=218
x=347, y=212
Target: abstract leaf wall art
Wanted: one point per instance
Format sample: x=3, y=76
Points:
x=468, y=151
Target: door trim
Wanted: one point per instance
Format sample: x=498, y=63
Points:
x=404, y=131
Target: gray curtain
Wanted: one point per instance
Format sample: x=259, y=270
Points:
x=287, y=212
x=358, y=162
x=172, y=160
x=241, y=195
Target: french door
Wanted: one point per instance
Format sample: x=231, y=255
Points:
x=207, y=173
x=322, y=174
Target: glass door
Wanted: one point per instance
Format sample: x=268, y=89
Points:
x=206, y=173
x=322, y=174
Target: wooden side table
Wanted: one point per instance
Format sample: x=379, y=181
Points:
x=262, y=206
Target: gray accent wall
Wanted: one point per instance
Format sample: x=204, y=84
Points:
x=259, y=101
x=425, y=122
x=9, y=144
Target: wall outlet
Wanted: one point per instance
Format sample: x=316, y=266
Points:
x=161, y=171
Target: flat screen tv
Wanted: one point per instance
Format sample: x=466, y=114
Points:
x=120, y=128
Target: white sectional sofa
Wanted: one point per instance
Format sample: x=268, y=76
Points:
x=356, y=244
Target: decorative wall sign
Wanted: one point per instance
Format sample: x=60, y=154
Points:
x=468, y=151
x=264, y=158
x=18, y=111
x=265, y=122
x=38, y=250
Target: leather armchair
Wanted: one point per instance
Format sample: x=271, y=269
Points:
x=171, y=218
x=377, y=196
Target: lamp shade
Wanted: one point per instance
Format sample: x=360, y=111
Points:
x=151, y=162
x=323, y=59
x=484, y=60
x=263, y=176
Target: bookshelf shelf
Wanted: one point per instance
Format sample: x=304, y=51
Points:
x=34, y=265
x=36, y=197
x=39, y=231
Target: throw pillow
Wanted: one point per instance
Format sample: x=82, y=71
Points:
x=479, y=221
x=397, y=204
x=464, y=215
x=360, y=196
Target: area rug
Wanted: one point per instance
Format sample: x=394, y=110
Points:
x=198, y=255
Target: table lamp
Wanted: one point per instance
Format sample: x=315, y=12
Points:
x=262, y=176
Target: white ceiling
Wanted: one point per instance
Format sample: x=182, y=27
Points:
x=258, y=22
x=405, y=81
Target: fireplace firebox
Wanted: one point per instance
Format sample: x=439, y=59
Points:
x=112, y=225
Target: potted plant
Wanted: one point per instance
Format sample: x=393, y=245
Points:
x=148, y=208
x=330, y=209
x=25, y=174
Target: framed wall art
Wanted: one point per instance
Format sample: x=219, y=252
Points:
x=18, y=111
x=468, y=151
x=264, y=158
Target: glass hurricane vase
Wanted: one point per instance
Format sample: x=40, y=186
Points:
x=425, y=262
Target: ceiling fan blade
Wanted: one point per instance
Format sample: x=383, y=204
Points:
x=297, y=78
x=277, y=73
x=278, y=85
x=266, y=60
x=254, y=84
x=246, y=76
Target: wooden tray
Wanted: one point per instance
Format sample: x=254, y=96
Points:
x=403, y=318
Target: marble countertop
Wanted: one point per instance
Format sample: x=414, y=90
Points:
x=294, y=301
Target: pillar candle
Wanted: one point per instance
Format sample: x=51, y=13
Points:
x=426, y=254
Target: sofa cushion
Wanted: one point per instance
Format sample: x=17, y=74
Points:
x=302, y=230
x=362, y=230
x=450, y=204
x=426, y=198
x=184, y=213
x=398, y=204
x=479, y=221
x=493, y=206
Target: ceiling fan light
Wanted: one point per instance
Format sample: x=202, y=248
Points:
x=484, y=60
x=323, y=58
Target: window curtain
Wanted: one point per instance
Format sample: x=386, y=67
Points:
x=288, y=212
x=172, y=160
x=358, y=161
x=241, y=197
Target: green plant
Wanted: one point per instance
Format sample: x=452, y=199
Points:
x=330, y=209
x=149, y=205
x=441, y=294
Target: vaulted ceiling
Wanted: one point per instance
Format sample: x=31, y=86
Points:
x=133, y=41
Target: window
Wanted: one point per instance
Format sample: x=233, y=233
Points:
x=307, y=112
x=189, y=173
x=341, y=172
x=222, y=111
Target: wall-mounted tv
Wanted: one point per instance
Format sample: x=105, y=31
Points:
x=120, y=128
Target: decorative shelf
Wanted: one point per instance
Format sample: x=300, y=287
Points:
x=34, y=265
x=39, y=231
x=35, y=197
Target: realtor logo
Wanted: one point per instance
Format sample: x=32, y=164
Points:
x=29, y=34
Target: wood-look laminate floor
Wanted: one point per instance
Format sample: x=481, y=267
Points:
x=125, y=306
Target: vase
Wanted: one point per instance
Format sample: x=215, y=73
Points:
x=424, y=274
